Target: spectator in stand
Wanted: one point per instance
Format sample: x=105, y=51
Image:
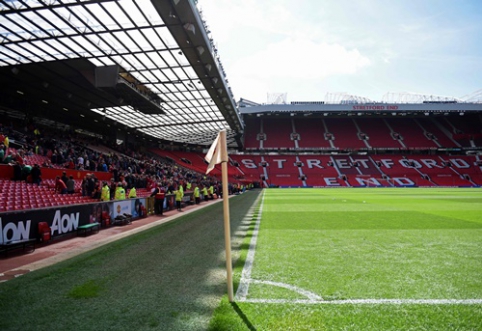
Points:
x=53, y=157
x=18, y=159
x=70, y=164
x=113, y=187
x=26, y=171
x=2, y=153
x=17, y=169
x=90, y=184
x=159, y=195
x=84, y=186
x=60, y=186
x=170, y=188
x=80, y=162
x=70, y=185
x=36, y=174
x=97, y=190
x=64, y=177
x=92, y=165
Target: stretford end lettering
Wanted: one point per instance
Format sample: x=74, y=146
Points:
x=375, y=107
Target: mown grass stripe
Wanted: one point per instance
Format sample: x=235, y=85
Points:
x=243, y=288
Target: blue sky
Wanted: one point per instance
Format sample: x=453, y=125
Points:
x=308, y=48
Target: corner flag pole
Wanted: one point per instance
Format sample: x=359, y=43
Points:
x=227, y=226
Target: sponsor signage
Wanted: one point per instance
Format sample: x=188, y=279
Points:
x=24, y=225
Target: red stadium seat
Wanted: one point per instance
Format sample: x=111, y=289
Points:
x=44, y=232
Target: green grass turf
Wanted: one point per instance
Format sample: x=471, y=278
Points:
x=364, y=244
x=399, y=243
x=170, y=277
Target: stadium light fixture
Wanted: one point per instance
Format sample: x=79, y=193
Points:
x=190, y=27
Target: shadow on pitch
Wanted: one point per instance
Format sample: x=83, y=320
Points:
x=243, y=316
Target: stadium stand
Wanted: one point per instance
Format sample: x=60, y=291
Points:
x=412, y=135
x=251, y=133
x=278, y=133
x=312, y=133
x=440, y=134
x=378, y=133
x=345, y=133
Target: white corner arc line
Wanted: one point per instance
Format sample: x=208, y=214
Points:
x=310, y=295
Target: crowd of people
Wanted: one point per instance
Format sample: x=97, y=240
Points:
x=130, y=169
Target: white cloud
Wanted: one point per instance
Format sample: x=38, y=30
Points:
x=300, y=59
x=293, y=62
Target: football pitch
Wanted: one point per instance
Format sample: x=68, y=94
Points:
x=362, y=259
x=305, y=259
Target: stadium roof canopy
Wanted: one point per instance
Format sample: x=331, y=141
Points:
x=354, y=107
x=146, y=67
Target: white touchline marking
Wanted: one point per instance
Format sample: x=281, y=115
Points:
x=369, y=301
x=243, y=287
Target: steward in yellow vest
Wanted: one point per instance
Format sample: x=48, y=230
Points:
x=132, y=193
x=105, y=193
x=120, y=193
x=197, y=197
x=179, y=194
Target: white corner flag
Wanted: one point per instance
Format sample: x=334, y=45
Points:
x=218, y=153
x=214, y=154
